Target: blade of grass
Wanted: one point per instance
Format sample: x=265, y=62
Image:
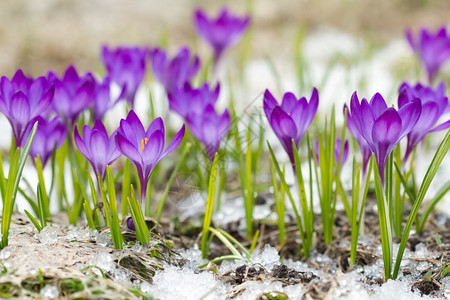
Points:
x=431, y=172
x=209, y=206
x=16, y=168
x=430, y=206
x=142, y=233
x=383, y=215
x=162, y=201
x=291, y=199
x=33, y=220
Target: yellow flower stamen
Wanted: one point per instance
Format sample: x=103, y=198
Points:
x=143, y=143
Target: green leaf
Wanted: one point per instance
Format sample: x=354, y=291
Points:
x=15, y=174
x=431, y=172
x=209, y=205
x=33, y=220
x=162, y=200
x=140, y=225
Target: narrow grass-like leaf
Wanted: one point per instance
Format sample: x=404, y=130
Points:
x=142, y=233
x=2, y=178
x=291, y=199
x=278, y=195
x=248, y=191
x=30, y=201
x=431, y=172
x=354, y=215
x=114, y=214
x=94, y=195
x=234, y=241
x=385, y=226
x=126, y=181
x=45, y=199
x=220, y=234
x=254, y=241
x=430, y=206
x=41, y=205
x=89, y=215
x=15, y=174
x=33, y=220
x=306, y=211
x=209, y=205
x=162, y=200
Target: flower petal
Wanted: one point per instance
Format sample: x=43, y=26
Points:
x=127, y=149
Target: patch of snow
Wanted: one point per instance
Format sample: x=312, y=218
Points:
x=103, y=240
x=175, y=283
x=49, y=292
x=105, y=262
x=48, y=235
x=81, y=234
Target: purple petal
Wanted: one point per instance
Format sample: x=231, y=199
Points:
x=289, y=101
x=378, y=104
x=20, y=108
x=282, y=123
x=80, y=144
x=153, y=149
x=409, y=115
x=136, y=124
x=127, y=149
x=441, y=127
x=269, y=103
x=156, y=125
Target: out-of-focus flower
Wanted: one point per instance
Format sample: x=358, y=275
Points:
x=188, y=100
x=434, y=105
x=73, y=94
x=99, y=149
x=291, y=119
x=49, y=136
x=432, y=49
x=337, y=151
x=22, y=99
x=102, y=99
x=381, y=126
x=144, y=148
x=223, y=32
x=126, y=66
x=209, y=128
x=173, y=73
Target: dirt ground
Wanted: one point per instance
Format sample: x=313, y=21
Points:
x=51, y=34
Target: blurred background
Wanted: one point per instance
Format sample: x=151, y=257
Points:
x=37, y=36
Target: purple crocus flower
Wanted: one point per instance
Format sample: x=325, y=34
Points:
x=223, y=32
x=173, y=73
x=381, y=126
x=22, y=99
x=291, y=119
x=102, y=99
x=126, y=66
x=433, y=49
x=73, y=94
x=188, y=100
x=434, y=105
x=49, y=136
x=209, y=128
x=337, y=151
x=95, y=145
x=144, y=148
